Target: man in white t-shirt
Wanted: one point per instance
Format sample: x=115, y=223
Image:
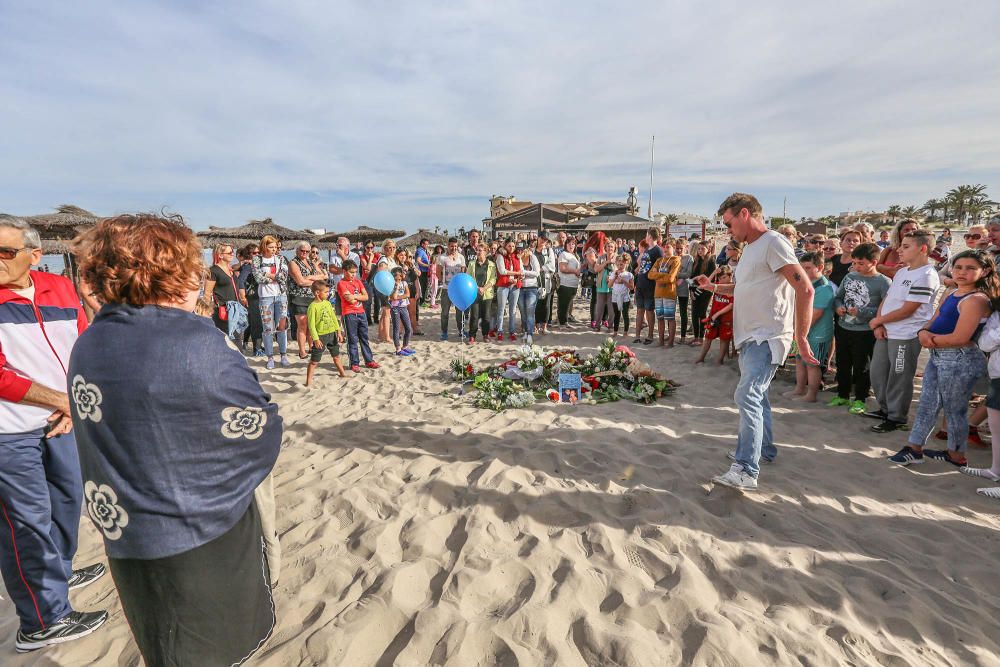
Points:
x=906, y=309
x=336, y=267
x=772, y=297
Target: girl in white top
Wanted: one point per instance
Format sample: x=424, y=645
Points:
x=622, y=283
x=989, y=342
x=527, y=299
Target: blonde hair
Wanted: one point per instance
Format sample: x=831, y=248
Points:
x=217, y=251
x=269, y=239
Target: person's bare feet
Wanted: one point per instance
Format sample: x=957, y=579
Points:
x=792, y=393
x=805, y=398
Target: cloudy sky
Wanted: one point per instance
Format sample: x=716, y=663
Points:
x=333, y=114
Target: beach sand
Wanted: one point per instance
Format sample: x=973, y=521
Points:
x=429, y=532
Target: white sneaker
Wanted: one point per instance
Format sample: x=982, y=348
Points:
x=737, y=478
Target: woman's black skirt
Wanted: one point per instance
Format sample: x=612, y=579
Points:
x=210, y=606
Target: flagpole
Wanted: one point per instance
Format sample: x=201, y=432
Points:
x=649, y=208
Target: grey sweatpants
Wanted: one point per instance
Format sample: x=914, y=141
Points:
x=892, y=368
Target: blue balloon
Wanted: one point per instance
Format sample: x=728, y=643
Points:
x=462, y=290
x=384, y=282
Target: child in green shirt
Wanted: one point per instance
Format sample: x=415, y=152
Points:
x=324, y=330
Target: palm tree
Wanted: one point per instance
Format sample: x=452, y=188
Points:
x=911, y=212
x=893, y=212
x=930, y=206
x=962, y=196
x=979, y=206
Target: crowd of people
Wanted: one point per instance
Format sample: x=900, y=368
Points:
x=79, y=428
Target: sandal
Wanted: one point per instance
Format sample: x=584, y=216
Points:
x=990, y=492
x=984, y=473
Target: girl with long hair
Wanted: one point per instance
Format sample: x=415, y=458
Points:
x=956, y=361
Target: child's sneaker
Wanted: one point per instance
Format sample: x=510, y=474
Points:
x=857, y=408
x=491, y=334
x=400, y=353
x=942, y=455
x=355, y=369
x=907, y=456
x=284, y=361
x=372, y=364
x=409, y=350
x=838, y=402
x=499, y=337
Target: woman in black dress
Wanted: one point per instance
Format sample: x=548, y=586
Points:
x=221, y=284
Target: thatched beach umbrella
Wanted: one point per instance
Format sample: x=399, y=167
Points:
x=64, y=224
x=414, y=239
x=254, y=230
x=362, y=234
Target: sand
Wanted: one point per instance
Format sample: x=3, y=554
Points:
x=428, y=532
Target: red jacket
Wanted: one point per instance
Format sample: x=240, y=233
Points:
x=35, y=343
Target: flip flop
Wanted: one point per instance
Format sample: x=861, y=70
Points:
x=984, y=473
x=990, y=492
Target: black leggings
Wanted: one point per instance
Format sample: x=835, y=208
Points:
x=854, y=354
x=621, y=314
x=543, y=309
x=565, y=295
x=699, y=310
x=480, y=317
x=593, y=301
x=682, y=309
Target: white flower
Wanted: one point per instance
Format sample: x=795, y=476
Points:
x=87, y=398
x=103, y=508
x=243, y=422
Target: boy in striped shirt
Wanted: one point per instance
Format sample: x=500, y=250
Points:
x=906, y=309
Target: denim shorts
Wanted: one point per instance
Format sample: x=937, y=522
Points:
x=666, y=309
x=993, y=398
x=644, y=300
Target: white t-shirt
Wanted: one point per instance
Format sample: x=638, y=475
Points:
x=570, y=260
x=451, y=267
x=269, y=265
x=919, y=285
x=338, y=262
x=764, y=302
x=619, y=291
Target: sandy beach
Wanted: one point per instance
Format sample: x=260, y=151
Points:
x=435, y=533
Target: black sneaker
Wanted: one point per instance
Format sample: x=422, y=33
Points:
x=907, y=456
x=86, y=576
x=72, y=626
x=886, y=426
x=876, y=414
x=942, y=455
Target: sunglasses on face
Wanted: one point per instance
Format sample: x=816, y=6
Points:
x=974, y=237
x=10, y=253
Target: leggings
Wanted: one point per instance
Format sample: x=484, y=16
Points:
x=254, y=332
x=682, y=308
x=480, y=317
x=565, y=296
x=602, y=310
x=593, y=302
x=699, y=311
x=543, y=309
x=401, y=326
x=854, y=353
x=621, y=313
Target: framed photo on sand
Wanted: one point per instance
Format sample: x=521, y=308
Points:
x=570, y=387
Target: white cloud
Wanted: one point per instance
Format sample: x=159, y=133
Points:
x=227, y=112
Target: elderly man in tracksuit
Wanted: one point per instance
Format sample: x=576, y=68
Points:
x=40, y=481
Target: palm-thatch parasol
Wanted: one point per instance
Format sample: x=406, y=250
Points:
x=362, y=234
x=64, y=224
x=414, y=239
x=254, y=230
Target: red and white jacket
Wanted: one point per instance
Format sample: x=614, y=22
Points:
x=35, y=343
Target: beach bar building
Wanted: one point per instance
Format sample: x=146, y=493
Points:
x=614, y=220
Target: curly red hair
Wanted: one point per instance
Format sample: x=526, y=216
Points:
x=140, y=259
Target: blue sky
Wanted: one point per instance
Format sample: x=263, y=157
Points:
x=413, y=114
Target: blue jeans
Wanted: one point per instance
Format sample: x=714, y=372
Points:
x=272, y=309
x=949, y=377
x=526, y=302
x=41, y=490
x=357, y=334
x=755, y=436
x=507, y=297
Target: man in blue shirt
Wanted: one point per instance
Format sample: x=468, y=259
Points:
x=423, y=259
